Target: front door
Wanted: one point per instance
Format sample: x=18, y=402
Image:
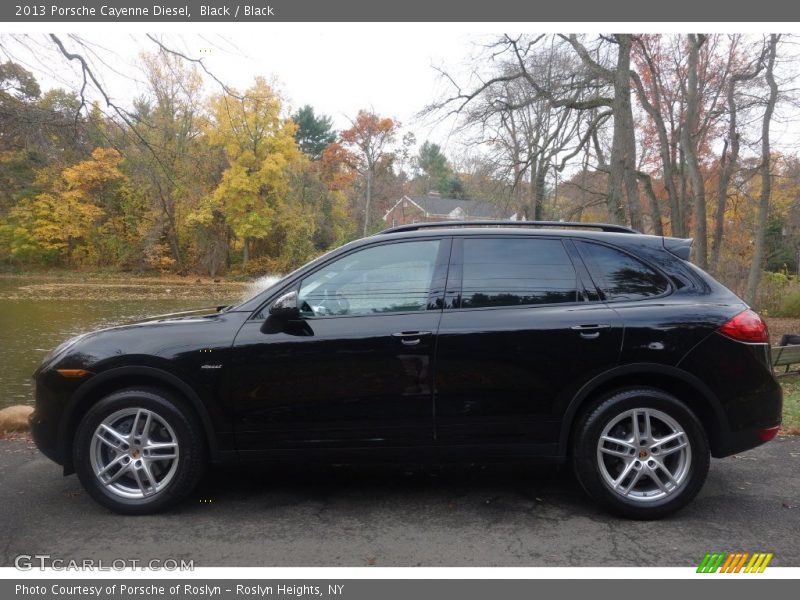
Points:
x=356, y=370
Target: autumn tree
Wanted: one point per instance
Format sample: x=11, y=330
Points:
x=259, y=147
x=89, y=215
x=367, y=141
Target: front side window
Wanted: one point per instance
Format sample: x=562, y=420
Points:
x=619, y=275
x=382, y=279
x=512, y=272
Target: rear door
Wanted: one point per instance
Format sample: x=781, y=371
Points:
x=519, y=334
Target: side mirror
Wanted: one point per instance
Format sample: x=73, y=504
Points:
x=285, y=307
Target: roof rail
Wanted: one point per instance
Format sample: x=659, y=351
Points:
x=566, y=224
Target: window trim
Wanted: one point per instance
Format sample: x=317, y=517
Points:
x=440, y=271
x=590, y=264
x=457, y=254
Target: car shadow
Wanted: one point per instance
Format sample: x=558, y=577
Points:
x=392, y=487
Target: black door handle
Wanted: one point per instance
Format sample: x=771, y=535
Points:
x=411, y=338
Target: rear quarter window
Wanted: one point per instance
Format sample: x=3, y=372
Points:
x=619, y=275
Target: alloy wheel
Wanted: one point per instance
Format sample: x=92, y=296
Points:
x=644, y=455
x=134, y=453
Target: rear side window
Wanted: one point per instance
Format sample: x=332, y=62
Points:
x=619, y=275
x=513, y=272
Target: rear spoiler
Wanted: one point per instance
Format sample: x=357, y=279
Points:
x=680, y=247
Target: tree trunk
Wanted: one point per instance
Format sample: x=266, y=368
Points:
x=622, y=89
x=754, y=277
x=655, y=212
x=665, y=152
x=689, y=146
x=368, y=200
x=246, y=251
x=728, y=163
x=622, y=163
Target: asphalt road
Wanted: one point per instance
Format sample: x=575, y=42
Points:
x=348, y=516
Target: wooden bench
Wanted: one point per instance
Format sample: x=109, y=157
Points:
x=785, y=356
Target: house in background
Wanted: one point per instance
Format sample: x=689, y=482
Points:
x=433, y=207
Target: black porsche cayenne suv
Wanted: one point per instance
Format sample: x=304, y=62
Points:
x=585, y=344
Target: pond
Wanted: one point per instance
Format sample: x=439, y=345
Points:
x=36, y=314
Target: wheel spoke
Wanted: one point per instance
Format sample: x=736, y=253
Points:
x=125, y=469
x=112, y=464
x=151, y=481
x=120, y=439
x=628, y=451
x=663, y=469
x=139, y=429
x=659, y=444
x=146, y=430
x=634, y=480
x=648, y=430
x=636, y=435
x=657, y=480
x=625, y=472
x=137, y=475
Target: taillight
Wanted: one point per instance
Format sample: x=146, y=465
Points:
x=747, y=326
x=768, y=433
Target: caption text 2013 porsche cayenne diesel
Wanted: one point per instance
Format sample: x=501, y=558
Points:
x=590, y=345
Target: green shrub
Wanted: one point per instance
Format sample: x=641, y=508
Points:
x=789, y=305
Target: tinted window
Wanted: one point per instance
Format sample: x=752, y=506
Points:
x=620, y=276
x=509, y=272
x=380, y=279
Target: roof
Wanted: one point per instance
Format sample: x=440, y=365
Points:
x=433, y=204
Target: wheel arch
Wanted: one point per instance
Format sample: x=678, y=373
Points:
x=684, y=386
x=118, y=378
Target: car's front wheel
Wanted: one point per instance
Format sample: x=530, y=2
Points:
x=138, y=451
x=641, y=452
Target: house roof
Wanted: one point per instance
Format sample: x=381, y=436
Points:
x=436, y=205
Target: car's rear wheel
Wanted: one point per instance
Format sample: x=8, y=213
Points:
x=641, y=452
x=138, y=451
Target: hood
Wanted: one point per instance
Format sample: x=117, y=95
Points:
x=183, y=315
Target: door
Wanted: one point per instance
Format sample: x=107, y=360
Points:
x=355, y=369
x=519, y=335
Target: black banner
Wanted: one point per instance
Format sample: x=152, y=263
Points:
x=408, y=10
x=389, y=589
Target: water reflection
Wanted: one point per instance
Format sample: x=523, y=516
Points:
x=30, y=328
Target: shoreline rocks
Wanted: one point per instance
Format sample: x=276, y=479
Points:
x=14, y=419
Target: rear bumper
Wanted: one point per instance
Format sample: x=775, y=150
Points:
x=749, y=398
x=733, y=442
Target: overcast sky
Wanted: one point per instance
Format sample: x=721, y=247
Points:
x=387, y=69
x=336, y=68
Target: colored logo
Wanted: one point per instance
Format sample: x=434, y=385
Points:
x=734, y=562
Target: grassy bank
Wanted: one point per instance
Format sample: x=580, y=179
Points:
x=100, y=285
x=791, y=404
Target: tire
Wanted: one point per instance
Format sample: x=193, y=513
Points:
x=636, y=474
x=132, y=473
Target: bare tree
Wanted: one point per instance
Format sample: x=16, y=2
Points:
x=729, y=159
x=754, y=276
